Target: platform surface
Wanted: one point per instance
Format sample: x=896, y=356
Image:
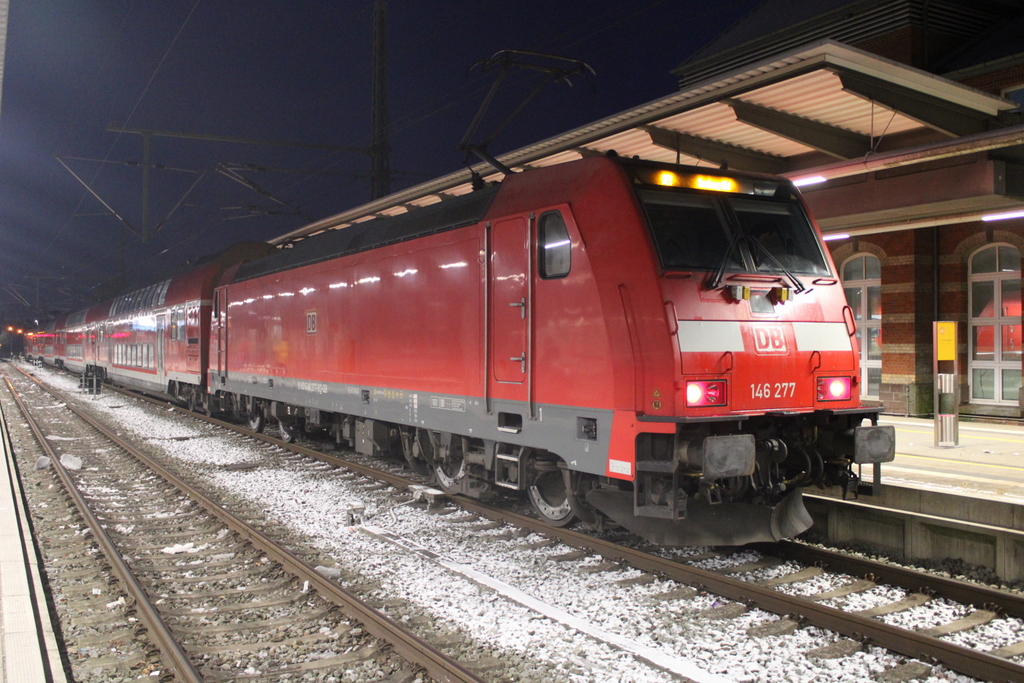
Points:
x=28, y=648
x=988, y=462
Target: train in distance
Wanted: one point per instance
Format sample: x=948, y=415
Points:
x=664, y=347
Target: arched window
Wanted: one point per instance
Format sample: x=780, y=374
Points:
x=862, y=282
x=995, y=334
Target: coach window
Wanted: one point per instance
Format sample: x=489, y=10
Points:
x=995, y=335
x=555, y=247
x=862, y=282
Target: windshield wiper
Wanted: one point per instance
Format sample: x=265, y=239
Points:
x=797, y=285
x=753, y=245
x=716, y=281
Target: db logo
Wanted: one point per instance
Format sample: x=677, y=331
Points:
x=769, y=339
x=310, y=322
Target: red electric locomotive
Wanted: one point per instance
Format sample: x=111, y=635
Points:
x=660, y=345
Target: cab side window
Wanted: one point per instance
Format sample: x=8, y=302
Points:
x=555, y=257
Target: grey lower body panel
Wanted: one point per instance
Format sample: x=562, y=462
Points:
x=138, y=380
x=183, y=377
x=553, y=427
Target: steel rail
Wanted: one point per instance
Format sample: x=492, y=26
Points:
x=159, y=632
x=963, y=660
x=981, y=597
x=864, y=629
x=395, y=480
x=409, y=646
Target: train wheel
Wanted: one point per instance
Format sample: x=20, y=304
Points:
x=551, y=499
x=289, y=431
x=418, y=453
x=450, y=466
x=257, y=422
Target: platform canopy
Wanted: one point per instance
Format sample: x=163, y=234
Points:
x=826, y=112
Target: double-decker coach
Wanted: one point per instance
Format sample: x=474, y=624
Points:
x=153, y=338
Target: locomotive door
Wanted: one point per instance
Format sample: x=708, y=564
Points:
x=510, y=300
x=161, y=347
x=219, y=315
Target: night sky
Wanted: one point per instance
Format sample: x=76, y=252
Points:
x=297, y=71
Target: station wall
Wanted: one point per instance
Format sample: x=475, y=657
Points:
x=979, y=285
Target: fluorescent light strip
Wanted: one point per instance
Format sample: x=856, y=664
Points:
x=811, y=180
x=835, y=236
x=1003, y=216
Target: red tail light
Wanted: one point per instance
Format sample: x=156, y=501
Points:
x=711, y=393
x=834, y=388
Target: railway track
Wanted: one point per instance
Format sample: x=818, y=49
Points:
x=203, y=594
x=739, y=586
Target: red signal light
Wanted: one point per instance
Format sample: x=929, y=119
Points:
x=706, y=393
x=834, y=388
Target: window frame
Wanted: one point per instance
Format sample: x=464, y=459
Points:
x=542, y=248
x=864, y=322
x=997, y=365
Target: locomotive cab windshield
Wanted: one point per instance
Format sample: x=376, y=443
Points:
x=707, y=223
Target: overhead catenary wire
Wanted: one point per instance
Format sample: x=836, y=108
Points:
x=110, y=149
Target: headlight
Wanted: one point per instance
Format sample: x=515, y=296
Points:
x=702, y=393
x=834, y=388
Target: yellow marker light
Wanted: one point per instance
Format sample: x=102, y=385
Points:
x=698, y=181
x=740, y=293
x=716, y=183
x=667, y=178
